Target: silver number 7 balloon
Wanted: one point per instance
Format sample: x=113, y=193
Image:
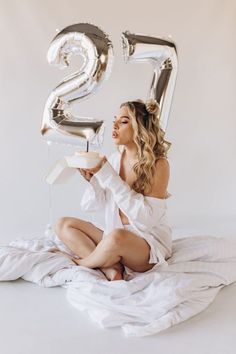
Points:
x=96, y=49
x=161, y=53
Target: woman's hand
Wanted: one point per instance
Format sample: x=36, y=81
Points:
x=87, y=173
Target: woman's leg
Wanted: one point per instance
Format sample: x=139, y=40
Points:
x=120, y=246
x=82, y=237
x=79, y=235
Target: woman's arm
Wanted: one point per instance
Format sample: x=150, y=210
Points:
x=94, y=197
x=144, y=211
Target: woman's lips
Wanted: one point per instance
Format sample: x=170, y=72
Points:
x=115, y=135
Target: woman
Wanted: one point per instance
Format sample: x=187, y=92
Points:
x=131, y=186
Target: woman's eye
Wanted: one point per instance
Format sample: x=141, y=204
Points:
x=121, y=122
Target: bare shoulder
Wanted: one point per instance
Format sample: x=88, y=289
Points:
x=160, y=179
x=162, y=165
x=162, y=172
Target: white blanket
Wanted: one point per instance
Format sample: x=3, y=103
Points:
x=144, y=303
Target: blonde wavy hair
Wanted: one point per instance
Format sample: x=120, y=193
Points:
x=149, y=138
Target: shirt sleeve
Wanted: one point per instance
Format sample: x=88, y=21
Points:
x=94, y=197
x=142, y=211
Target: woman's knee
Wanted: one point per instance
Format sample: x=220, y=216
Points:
x=116, y=238
x=61, y=224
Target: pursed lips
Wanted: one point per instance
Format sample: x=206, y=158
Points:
x=114, y=134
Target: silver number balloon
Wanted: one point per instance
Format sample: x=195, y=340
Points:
x=95, y=47
x=161, y=53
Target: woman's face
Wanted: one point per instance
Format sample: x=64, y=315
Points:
x=122, y=132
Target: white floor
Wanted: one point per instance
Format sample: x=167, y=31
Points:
x=40, y=320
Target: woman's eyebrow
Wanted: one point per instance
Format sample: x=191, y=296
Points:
x=122, y=117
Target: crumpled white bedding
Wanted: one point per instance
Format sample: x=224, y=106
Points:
x=143, y=304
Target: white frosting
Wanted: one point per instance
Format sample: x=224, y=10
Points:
x=89, y=154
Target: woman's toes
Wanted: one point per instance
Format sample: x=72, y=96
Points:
x=117, y=276
x=112, y=273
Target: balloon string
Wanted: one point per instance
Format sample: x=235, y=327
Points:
x=50, y=206
x=50, y=192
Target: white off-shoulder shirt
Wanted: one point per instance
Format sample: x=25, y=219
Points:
x=107, y=191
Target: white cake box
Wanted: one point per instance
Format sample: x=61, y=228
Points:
x=83, y=159
x=65, y=168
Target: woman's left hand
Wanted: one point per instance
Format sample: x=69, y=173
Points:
x=97, y=167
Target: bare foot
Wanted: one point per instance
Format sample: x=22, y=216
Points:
x=113, y=273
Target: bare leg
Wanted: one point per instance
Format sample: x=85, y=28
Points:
x=102, y=256
x=120, y=246
x=82, y=245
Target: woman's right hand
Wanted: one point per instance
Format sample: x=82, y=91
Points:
x=87, y=175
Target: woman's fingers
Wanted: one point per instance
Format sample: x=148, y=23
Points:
x=82, y=172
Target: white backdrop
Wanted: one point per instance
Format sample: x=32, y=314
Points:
x=202, y=121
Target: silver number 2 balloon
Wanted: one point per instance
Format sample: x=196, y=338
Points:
x=96, y=49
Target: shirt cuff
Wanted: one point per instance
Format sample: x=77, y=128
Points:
x=94, y=182
x=105, y=171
